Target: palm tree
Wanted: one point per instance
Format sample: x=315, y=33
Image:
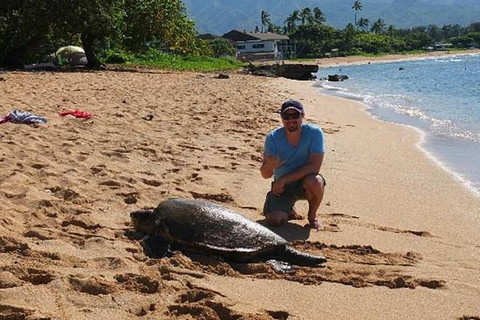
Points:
x=357, y=6
x=363, y=24
x=306, y=15
x=391, y=31
x=318, y=16
x=291, y=22
x=378, y=26
x=265, y=19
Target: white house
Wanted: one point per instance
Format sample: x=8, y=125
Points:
x=260, y=45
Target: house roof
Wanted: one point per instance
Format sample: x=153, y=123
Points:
x=208, y=36
x=236, y=35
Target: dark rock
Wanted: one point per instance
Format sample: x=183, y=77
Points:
x=290, y=71
x=337, y=77
x=223, y=76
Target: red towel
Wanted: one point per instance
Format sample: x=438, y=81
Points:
x=76, y=114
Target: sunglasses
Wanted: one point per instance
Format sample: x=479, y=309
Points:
x=288, y=116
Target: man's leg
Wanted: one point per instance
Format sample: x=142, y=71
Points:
x=277, y=208
x=314, y=186
x=276, y=218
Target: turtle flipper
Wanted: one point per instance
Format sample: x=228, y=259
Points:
x=299, y=258
x=156, y=247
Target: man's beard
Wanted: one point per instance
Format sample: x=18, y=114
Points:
x=292, y=127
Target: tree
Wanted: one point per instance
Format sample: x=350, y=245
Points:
x=373, y=43
x=357, y=6
x=348, y=36
x=313, y=39
x=417, y=40
x=92, y=20
x=392, y=31
x=265, y=17
x=24, y=26
x=305, y=16
x=378, y=26
x=221, y=47
x=291, y=22
x=318, y=16
x=363, y=24
x=159, y=23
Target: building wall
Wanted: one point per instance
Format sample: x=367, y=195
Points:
x=256, y=47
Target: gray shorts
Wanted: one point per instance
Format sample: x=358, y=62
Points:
x=293, y=192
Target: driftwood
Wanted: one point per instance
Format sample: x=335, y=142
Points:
x=290, y=71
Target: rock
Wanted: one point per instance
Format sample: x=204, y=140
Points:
x=337, y=77
x=223, y=76
x=290, y=71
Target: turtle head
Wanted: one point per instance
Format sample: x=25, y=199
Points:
x=142, y=220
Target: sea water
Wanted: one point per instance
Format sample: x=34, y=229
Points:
x=439, y=96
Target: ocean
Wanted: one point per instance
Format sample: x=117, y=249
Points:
x=438, y=96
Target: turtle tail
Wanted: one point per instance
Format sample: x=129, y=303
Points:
x=299, y=258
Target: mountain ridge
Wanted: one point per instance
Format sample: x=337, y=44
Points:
x=221, y=16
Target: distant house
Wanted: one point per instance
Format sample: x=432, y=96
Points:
x=442, y=46
x=208, y=36
x=260, y=45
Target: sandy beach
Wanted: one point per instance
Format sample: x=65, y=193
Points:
x=401, y=235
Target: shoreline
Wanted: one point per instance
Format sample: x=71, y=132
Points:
x=353, y=60
x=425, y=144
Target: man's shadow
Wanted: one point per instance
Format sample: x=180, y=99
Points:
x=289, y=231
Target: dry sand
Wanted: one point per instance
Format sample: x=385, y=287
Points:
x=401, y=234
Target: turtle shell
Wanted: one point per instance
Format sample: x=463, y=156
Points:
x=205, y=227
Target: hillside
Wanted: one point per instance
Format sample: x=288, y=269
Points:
x=220, y=16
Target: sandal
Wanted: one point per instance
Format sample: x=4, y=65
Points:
x=314, y=224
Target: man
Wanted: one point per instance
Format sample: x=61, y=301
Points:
x=293, y=155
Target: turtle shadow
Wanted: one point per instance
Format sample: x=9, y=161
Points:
x=288, y=231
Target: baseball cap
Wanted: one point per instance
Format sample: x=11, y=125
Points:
x=292, y=105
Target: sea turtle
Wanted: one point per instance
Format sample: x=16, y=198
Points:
x=207, y=228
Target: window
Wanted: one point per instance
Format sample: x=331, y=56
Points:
x=258, y=46
x=240, y=47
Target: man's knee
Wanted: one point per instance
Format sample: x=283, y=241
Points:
x=314, y=184
x=276, y=218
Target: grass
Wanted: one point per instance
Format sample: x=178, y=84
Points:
x=168, y=61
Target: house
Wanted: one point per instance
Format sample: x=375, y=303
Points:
x=260, y=45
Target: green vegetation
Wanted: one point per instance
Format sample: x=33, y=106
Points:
x=133, y=31
x=155, y=58
x=315, y=39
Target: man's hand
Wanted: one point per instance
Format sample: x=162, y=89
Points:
x=278, y=186
x=269, y=164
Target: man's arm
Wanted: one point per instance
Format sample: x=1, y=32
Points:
x=313, y=166
x=268, y=165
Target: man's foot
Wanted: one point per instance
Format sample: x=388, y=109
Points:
x=314, y=224
x=293, y=215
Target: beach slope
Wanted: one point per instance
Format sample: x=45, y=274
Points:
x=401, y=234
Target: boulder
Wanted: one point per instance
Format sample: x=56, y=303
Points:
x=337, y=77
x=290, y=71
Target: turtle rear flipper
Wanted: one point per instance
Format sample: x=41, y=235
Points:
x=299, y=258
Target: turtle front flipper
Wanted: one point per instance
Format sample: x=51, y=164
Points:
x=299, y=258
x=156, y=247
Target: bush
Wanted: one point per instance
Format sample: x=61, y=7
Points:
x=118, y=56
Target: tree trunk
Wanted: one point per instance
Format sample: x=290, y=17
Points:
x=87, y=43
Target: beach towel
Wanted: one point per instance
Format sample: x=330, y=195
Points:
x=23, y=117
x=77, y=114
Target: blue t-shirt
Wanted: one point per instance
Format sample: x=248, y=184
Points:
x=276, y=144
